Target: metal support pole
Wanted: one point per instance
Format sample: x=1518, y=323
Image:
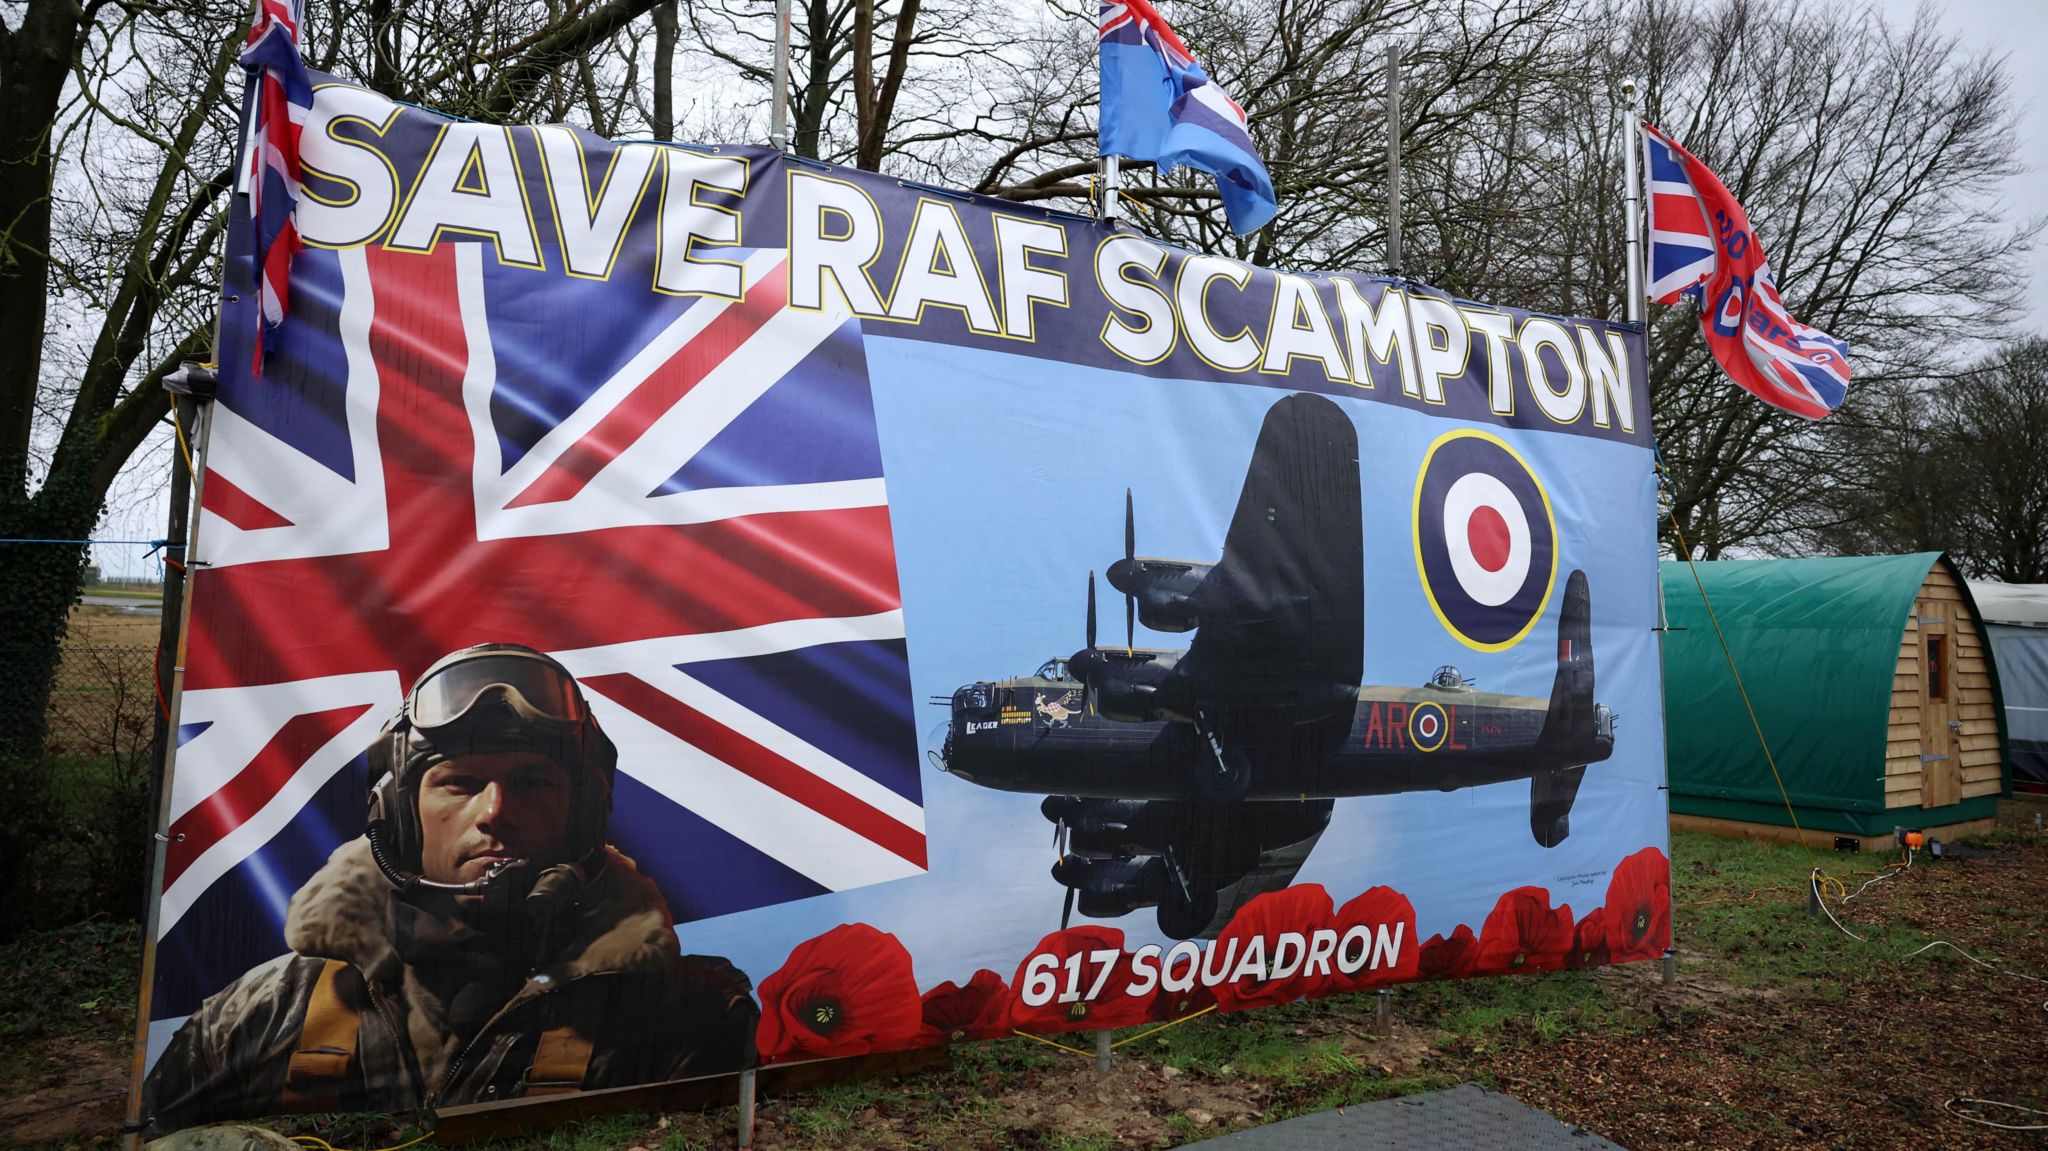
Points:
x=1632, y=197
x=1812, y=899
x=138, y=1063
x=1112, y=183
x=1102, y=1050
x=1383, y=1013
x=778, y=114
x=1393, y=160
x=746, y=1109
x=1670, y=966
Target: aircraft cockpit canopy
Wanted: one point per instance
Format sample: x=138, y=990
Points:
x=1054, y=668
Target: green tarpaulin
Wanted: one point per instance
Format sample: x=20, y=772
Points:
x=1816, y=642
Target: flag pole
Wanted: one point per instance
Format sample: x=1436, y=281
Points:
x=778, y=108
x=1112, y=165
x=1631, y=142
x=1394, y=160
x=1632, y=311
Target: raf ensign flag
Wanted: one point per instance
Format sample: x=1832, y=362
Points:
x=1158, y=105
x=1701, y=243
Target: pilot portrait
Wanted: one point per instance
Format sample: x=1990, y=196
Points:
x=481, y=940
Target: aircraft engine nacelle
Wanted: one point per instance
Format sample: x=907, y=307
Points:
x=1129, y=691
x=1164, y=590
x=1116, y=828
x=1112, y=887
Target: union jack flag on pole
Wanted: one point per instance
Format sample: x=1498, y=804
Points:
x=284, y=97
x=1158, y=105
x=1701, y=245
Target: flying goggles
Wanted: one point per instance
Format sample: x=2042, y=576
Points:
x=535, y=687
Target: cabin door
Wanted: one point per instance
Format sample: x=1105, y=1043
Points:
x=1941, y=769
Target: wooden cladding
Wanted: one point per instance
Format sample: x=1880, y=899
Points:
x=1941, y=743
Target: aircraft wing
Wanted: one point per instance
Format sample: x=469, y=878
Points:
x=1196, y=863
x=1276, y=869
x=1282, y=614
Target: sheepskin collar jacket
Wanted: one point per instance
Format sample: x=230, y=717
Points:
x=446, y=1013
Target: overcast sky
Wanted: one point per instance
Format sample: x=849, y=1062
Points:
x=2018, y=29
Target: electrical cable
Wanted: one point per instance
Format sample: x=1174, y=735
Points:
x=320, y=1144
x=1162, y=1027
x=154, y=544
x=1950, y=1107
x=1750, y=898
x=1887, y=873
x=1050, y=1043
x=184, y=448
x=1816, y=880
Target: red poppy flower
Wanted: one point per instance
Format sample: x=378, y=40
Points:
x=1385, y=914
x=1452, y=958
x=1589, y=941
x=1639, y=907
x=1524, y=933
x=1062, y=970
x=1272, y=934
x=847, y=992
x=1168, y=1006
x=979, y=1010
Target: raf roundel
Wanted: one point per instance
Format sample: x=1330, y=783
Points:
x=1485, y=540
x=1428, y=726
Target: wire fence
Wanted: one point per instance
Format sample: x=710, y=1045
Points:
x=103, y=704
x=81, y=819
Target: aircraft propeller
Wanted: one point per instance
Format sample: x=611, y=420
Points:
x=1089, y=679
x=1091, y=609
x=1130, y=557
x=1059, y=845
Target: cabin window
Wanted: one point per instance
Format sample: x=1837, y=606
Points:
x=1937, y=667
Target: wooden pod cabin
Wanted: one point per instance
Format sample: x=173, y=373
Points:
x=1870, y=679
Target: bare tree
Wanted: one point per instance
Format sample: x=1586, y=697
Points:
x=1867, y=156
x=115, y=172
x=1963, y=470
x=870, y=81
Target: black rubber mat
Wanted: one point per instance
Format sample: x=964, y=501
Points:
x=1465, y=1118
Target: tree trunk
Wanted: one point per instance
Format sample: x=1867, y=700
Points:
x=383, y=49
x=664, y=70
x=35, y=59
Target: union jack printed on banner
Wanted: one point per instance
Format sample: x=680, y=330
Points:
x=284, y=97
x=1701, y=244
x=679, y=498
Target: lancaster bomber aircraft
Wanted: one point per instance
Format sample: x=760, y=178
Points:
x=1193, y=780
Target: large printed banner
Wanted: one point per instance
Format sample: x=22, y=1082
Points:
x=663, y=608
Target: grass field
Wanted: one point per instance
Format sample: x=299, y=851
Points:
x=126, y=591
x=1780, y=1031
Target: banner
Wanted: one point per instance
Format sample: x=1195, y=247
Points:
x=662, y=608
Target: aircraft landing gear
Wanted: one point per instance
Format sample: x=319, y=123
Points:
x=1223, y=774
x=1181, y=917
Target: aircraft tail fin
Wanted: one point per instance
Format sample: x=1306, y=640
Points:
x=1569, y=721
x=1550, y=804
x=1576, y=729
